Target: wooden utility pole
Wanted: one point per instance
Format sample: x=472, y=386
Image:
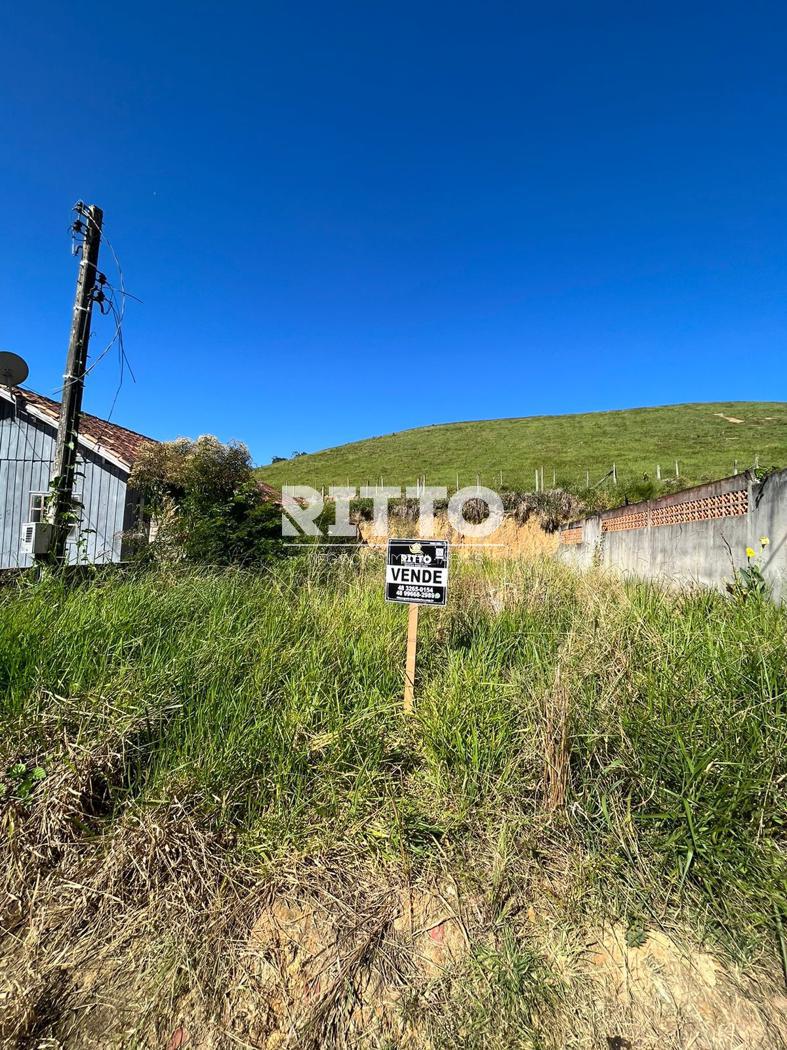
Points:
x=62, y=482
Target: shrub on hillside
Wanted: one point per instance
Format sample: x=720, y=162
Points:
x=551, y=508
x=206, y=503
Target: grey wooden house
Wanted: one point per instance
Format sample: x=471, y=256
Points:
x=109, y=509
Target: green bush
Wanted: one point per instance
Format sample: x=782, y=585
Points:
x=207, y=504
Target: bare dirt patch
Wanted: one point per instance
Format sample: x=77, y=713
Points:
x=339, y=956
x=510, y=540
x=663, y=995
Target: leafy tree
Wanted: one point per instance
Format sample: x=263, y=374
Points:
x=206, y=503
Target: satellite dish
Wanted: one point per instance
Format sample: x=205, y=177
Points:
x=13, y=370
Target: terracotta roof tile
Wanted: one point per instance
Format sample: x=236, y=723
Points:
x=124, y=444
x=271, y=494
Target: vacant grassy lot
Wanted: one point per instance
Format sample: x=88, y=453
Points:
x=706, y=439
x=218, y=825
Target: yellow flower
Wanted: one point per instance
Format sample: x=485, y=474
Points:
x=749, y=552
x=764, y=541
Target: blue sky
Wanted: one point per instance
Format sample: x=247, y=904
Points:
x=535, y=208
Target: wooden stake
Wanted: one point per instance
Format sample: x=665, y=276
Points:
x=412, y=645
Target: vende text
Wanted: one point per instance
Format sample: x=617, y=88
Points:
x=413, y=574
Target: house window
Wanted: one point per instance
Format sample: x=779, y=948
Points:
x=37, y=506
x=38, y=511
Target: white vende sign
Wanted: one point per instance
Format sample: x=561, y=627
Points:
x=416, y=572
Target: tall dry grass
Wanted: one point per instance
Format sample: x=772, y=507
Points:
x=181, y=752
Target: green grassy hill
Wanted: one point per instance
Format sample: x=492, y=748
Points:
x=706, y=439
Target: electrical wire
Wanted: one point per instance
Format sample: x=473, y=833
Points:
x=123, y=361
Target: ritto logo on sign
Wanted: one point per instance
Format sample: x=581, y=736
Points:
x=415, y=555
x=416, y=572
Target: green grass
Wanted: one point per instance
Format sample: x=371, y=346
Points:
x=705, y=445
x=273, y=703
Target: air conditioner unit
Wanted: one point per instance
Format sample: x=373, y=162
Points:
x=36, y=537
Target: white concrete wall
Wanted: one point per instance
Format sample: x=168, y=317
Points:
x=768, y=517
x=698, y=552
